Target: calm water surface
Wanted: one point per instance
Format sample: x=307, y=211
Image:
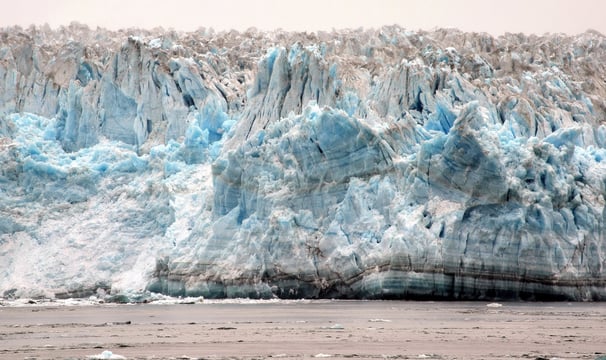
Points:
x=306, y=329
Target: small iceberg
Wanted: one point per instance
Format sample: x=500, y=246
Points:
x=106, y=355
x=494, y=305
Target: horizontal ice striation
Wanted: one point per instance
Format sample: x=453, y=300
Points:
x=354, y=164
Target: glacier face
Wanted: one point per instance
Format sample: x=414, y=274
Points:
x=355, y=164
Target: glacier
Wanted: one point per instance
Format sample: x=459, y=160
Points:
x=373, y=164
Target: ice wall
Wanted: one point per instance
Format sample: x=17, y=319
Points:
x=357, y=164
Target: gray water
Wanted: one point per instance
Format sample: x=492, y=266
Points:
x=305, y=329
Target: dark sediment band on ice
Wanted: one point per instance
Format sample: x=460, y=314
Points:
x=392, y=284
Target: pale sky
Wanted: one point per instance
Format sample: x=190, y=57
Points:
x=495, y=17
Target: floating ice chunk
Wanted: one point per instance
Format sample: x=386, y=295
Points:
x=494, y=305
x=379, y=320
x=106, y=355
x=320, y=355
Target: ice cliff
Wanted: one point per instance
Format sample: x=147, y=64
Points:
x=353, y=164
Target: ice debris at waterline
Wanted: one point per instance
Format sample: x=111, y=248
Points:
x=350, y=164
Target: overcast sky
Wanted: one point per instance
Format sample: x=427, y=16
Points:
x=495, y=17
